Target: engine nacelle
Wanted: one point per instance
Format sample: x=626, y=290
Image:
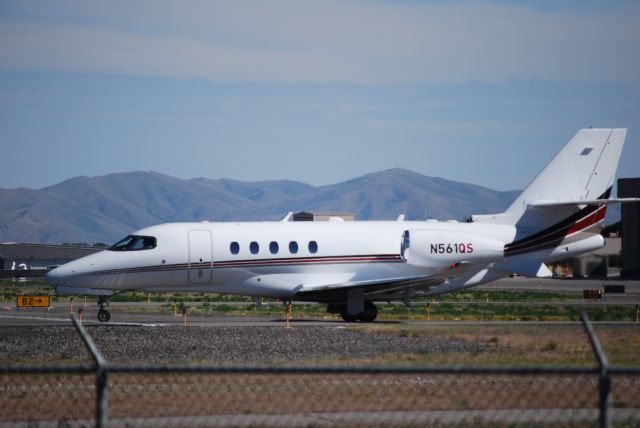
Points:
x=576, y=248
x=443, y=248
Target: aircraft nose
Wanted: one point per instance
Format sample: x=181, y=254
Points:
x=56, y=276
x=51, y=277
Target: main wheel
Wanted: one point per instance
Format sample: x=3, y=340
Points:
x=104, y=315
x=348, y=317
x=369, y=314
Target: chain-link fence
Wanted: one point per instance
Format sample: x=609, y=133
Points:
x=197, y=395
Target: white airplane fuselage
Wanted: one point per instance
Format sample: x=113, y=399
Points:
x=350, y=265
x=198, y=256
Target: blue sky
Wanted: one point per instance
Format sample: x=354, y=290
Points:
x=477, y=91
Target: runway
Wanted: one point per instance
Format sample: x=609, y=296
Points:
x=632, y=287
x=46, y=336
x=58, y=313
x=16, y=318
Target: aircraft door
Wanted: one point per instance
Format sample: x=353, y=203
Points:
x=200, y=256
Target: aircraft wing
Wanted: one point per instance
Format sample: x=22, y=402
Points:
x=381, y=290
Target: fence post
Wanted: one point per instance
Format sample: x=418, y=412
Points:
x=604, y=384
x=102, y=405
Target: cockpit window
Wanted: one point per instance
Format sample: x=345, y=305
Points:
x=134, y=243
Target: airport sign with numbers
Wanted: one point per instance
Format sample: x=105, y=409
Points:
x=33, y=301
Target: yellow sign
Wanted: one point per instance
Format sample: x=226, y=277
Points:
x=33, y=301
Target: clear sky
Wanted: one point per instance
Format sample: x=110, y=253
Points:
x=477, y=91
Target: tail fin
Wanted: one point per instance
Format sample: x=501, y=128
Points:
x=583, y=171
x=557, y=215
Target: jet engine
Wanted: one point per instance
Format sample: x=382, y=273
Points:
x=444, y=248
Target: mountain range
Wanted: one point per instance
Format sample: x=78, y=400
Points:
x=106, y=208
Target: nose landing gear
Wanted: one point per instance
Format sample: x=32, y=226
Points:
x=103, y=314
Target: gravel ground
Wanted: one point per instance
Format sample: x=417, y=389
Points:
x=232, y=344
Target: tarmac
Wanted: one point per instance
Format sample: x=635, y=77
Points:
x=632, y=287
x=219, y=325
x=58, y=313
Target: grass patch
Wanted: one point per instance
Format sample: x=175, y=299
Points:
x=513, y=344
x=12, y=288
x=549, y=347
x=487, y=312
x=465, y=305
x=476, y=295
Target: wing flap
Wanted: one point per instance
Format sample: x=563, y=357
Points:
x=390, y=288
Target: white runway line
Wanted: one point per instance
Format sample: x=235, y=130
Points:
x=85, y=321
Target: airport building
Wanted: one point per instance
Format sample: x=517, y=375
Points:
x=323, y=216
x=630, y=188
x=602, y=263
x=620, y=257
x=40, y=256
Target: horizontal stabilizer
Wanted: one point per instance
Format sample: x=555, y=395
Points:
x=542, y=204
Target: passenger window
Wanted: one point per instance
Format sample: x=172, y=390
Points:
x=254, y=247
x=313, y=247
x=293, y=247
x=273, y=247
x=234, y=248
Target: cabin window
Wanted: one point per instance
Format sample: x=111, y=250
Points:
x=313, y=247
x=234, y=248
x=134, y=243
x=273, y=247
x=254, y=247
x=293, y=247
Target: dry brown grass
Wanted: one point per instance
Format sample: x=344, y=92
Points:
x=135, y=395
x=32, y=398
x=520, y=344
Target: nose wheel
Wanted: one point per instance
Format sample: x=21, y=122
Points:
x=103, y=314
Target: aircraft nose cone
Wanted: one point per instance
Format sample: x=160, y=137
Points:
x=55, y=277
x=50, y=278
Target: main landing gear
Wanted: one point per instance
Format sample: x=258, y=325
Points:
x=368, y=314
x=103, y=314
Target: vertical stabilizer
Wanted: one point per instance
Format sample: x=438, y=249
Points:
x=558, y=214
x=584, y=169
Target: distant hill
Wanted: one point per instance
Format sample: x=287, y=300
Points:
x=105, y=208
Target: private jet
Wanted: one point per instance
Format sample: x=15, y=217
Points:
x=352, y=265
